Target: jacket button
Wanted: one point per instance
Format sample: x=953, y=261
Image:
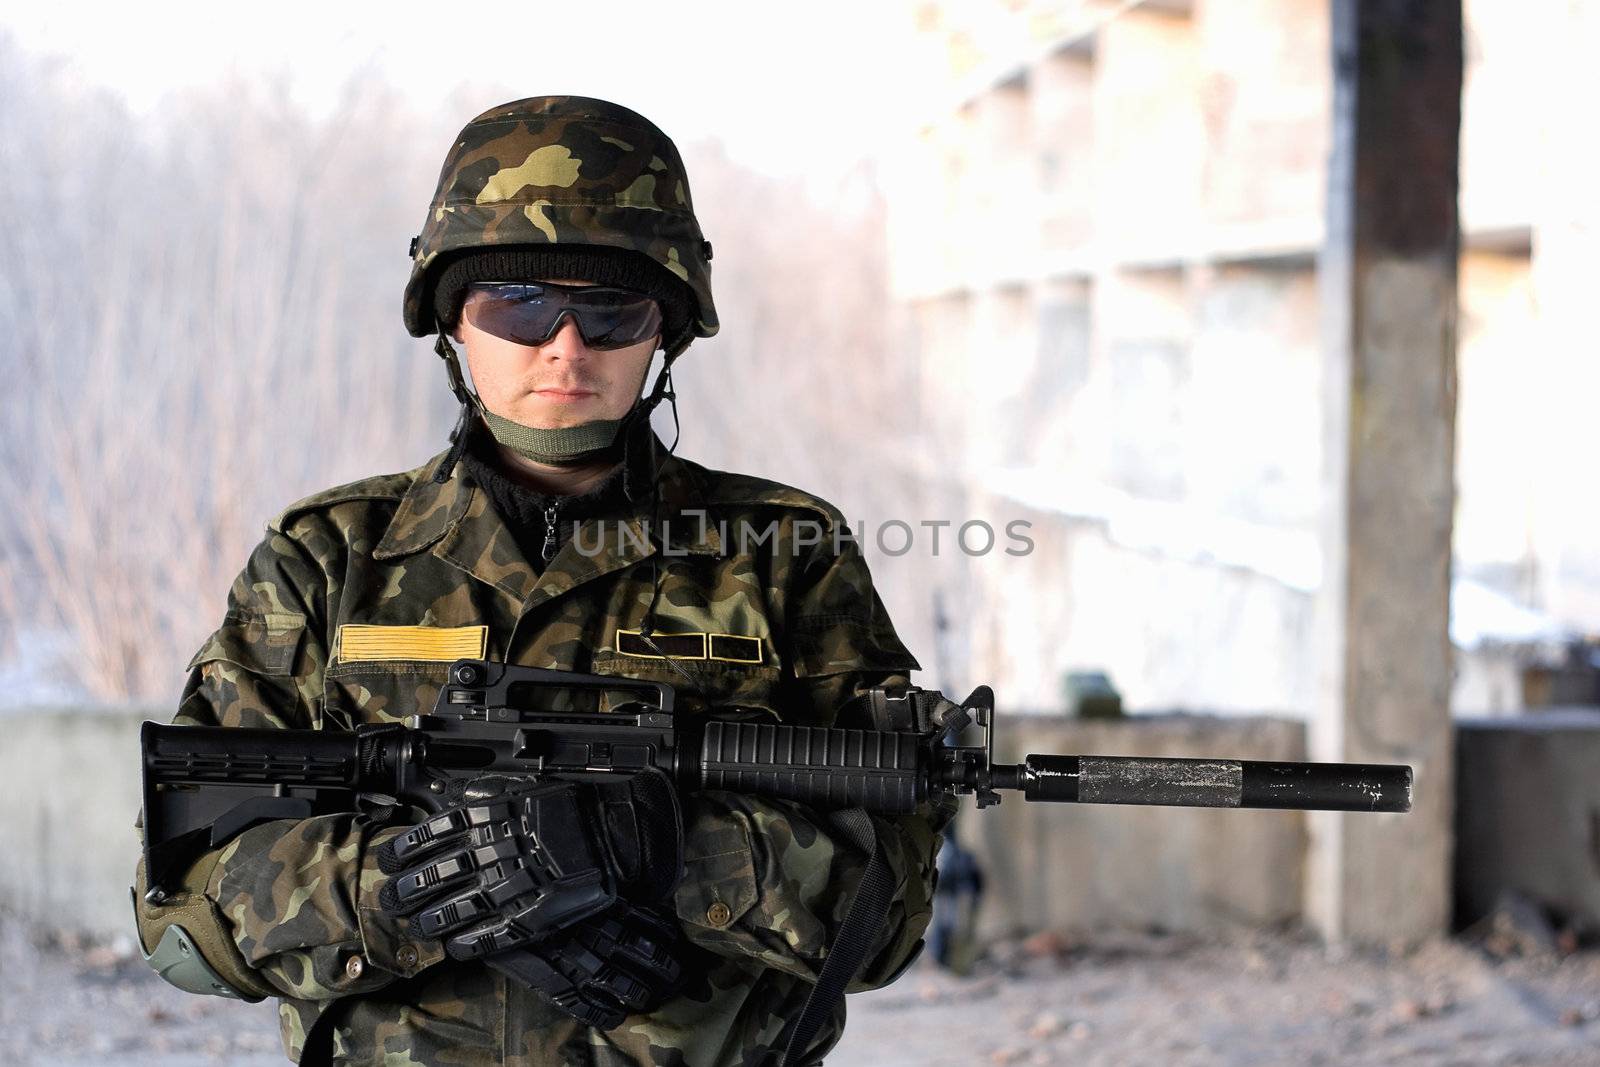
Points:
x=354, y=967
x=407, y=956
x=718, y=914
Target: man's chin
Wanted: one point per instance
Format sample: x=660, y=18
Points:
x=560, y=414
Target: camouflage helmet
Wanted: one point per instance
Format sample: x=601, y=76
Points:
x=562, y=171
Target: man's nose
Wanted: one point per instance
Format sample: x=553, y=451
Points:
x=567, y=342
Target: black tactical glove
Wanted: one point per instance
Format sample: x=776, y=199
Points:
x=606, y=968
x=517, y=861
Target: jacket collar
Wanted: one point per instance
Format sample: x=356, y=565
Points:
x=457, y=521
x=426, y=511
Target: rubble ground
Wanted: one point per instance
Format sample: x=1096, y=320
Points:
x=1119, y=999
x=1251, y=999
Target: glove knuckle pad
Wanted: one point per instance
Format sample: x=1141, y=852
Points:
x=520, y=863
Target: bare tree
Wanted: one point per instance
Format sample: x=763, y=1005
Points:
x=203, y=321
x=206, y=330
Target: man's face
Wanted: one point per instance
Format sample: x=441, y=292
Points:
x=560, y=383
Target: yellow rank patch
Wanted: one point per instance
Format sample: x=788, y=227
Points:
x=358, y=642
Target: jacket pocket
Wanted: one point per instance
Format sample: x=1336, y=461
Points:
x=719, y=879
x=381, y=690
x=263, y=643
x=743, y=691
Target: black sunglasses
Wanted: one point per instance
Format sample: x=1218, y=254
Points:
x=529, y=313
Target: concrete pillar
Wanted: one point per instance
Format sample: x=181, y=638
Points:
x=1062, y=121
x=1388, y=276
x=1149, y=137
x=1144, y=328
x=1003, y=190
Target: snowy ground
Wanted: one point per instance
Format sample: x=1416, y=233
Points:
x=1120, y=1000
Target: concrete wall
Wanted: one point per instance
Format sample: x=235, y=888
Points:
x=1529, y=806
x=68, y=837
x=73, y=787
x=1175, y=630
x=1528, y=815
x=1085, y=867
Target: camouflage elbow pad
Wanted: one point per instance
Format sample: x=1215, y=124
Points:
x=193, y=948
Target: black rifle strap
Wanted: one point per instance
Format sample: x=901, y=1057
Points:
x=318, y=1048
x=868, y=910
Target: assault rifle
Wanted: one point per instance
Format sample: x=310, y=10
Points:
x=205, y=785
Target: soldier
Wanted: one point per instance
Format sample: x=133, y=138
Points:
x=561, y=249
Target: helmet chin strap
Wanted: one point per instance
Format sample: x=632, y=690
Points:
x=569, y=446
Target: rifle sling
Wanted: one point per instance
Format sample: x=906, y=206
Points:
x=848, y=952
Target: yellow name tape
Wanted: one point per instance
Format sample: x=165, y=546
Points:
x=359, y=642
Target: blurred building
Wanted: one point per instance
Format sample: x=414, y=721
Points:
x=1104, y=241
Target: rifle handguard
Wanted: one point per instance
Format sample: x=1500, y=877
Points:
x=823, y=767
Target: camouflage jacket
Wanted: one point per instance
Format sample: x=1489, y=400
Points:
x=350, y=610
